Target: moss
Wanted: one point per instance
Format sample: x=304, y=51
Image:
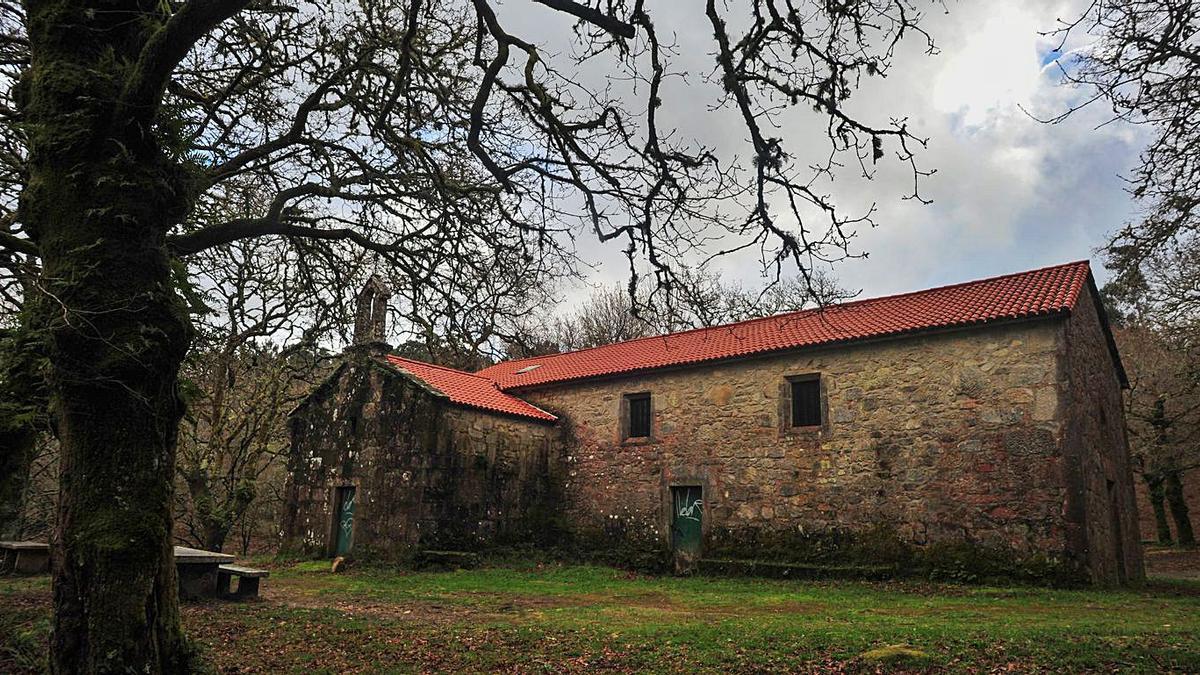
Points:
x=878, y=545
x=541, y=525
x=881, y=548
x=895, y=655
x=774, y=570
x=974, y=563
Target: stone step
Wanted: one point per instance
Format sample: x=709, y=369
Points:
x=778, y=570
x=447, y=560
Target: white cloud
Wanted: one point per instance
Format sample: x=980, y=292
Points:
x=995, y=67
x=1010, y=193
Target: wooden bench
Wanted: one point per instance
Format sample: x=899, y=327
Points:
x=24, y=557
x=247, y=580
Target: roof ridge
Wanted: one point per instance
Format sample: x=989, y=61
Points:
x=485, y=378
x=802, y=312
x=455, y=393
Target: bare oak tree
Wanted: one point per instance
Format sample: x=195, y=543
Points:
x=424, y=132
x=1163, y=416
x=1156, y=302
x=1145, y=65
x=256, y=353
x=612, y=314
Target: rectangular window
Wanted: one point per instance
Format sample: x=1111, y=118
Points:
x=639, y=415
x=806, y=402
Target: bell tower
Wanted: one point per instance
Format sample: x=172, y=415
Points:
x=370, y=317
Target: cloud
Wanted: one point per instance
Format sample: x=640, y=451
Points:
x=1010, y=193
x=993, y=69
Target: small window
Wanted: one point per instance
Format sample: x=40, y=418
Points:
x=806, y=402
x=639, y=415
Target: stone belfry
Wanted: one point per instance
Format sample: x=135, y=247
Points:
x=370, y=319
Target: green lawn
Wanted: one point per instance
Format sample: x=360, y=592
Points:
x=580, y=618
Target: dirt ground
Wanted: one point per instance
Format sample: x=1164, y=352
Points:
x=1173, y=563
x=577, y=618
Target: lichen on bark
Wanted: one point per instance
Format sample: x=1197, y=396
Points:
x=101, y=195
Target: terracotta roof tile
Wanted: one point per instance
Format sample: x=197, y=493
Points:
x=469, y=389
x=1042, y=292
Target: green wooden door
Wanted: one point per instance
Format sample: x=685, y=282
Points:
x=345, y=520
x=687, y=515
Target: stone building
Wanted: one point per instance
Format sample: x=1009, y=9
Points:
x=986, y=414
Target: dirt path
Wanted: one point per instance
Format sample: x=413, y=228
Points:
x=1173, y=563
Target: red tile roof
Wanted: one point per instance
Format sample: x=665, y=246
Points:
x=1042, y=292
x=469, y=389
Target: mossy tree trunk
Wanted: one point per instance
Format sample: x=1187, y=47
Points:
x=18, y=448
x=18, y=443
x=22, y=413
x=1157, y=495
x=101, y=195
x=1173, y=484
x=215, y=516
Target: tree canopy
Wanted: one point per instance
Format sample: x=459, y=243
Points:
x=422, y=137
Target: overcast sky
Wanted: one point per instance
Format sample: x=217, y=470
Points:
x=1010, y=193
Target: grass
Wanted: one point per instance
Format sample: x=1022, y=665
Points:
x=581, y=618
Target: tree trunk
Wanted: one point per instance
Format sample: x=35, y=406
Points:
x=207, y=519
x=21, y=409
x=217, y=519
x=22, y=414
x=116, y=346
x=18, y=441
x=1179, y=509
x=101, y=195
x=1157, y=496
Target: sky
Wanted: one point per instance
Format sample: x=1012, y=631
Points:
x=1009, y=194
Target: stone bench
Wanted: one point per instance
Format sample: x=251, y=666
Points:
x=247, y=580
x=446, y=560
x=24, y=557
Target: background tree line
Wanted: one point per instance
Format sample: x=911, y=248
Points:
x=1158, y=334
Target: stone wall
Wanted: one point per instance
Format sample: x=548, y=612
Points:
x=1100, y=507
x=427, y=473
x=951, y=437
x=1005, y=437
x=944, y=437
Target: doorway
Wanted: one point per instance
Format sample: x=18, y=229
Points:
x=1114, y=509
x=343, y=523
x=687, y=524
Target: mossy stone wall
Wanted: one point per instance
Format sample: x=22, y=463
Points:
x=428, y=474
x=945, y=439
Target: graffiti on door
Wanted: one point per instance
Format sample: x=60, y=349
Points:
x=345, y=520
x=687, y=515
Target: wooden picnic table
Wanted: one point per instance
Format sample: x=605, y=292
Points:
x=198, y=571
